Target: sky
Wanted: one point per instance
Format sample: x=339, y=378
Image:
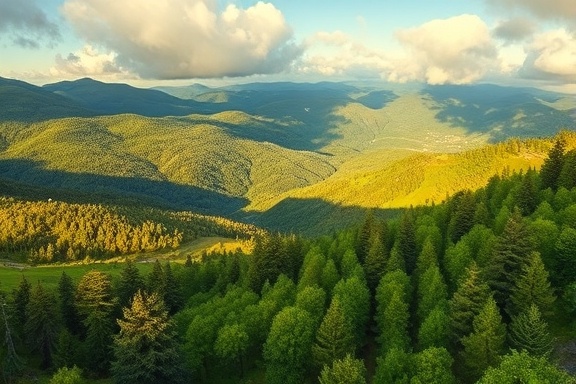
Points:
x=176, y=42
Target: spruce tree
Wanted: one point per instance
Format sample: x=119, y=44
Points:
x=467, y=302
x=130, y=282
x=406, y=241
x=146, y=350
x=375, y=263
x=173, y=298
x=156, y=280
x=334, y=338
x=529, y=332
x=21, y=297
x=344, y=371
x=41, y=326
x=511, y=253
x=533, y=288
x=552, y=167
x=67, y=302
x=485, y=345
x=393, y=324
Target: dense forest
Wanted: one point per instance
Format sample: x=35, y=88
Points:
x=480, y=288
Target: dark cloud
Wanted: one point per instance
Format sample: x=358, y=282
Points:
x=515, y=30
x=544, y=9
x=25, y=24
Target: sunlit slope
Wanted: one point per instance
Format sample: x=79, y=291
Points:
x=423, y=178
x=199, y=151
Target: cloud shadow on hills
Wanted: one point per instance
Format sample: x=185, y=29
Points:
x=28, y=179
x=501, y=112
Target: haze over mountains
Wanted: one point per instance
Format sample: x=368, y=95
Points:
x=272, y=153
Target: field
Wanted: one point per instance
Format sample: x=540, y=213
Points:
x=11, y=273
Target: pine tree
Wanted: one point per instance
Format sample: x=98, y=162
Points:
x=156, y=279
x=406, y=241
x=527, y=195
x=375, y=263
x=485, y=345
x=173, y=298
x=467, y=303
x=130, y=282
x=432, y=292
x=67, y=302
x=21, y=297
x=435, y=329
x=41, y=325
x=552, y=167
x=146, y=350
x=463, y=218
x=511, y=253
x=533, y=288
x=344, y=371
x=334, y=338
x=393, y=325
x=529, y=332
x=393, y=368
x=427, y=258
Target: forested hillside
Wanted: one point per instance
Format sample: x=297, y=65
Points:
x=477, y=289
x=53, y=231
x=270, y=153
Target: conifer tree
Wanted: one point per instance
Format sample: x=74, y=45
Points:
x=485, y=345
x=344, y=371
x=156, y=279
x=334, y=338
x=511, y=253
x=529, y=332
x=564, y=262
x=130, y=282
x=41, y=326
x=354, y=297
x=533, y=288
x=435, y=329
x=375, y=263
x=552, y=167
x=21, y=297
x=463, y=218
x=146, y=350
x=432, y=292
x=393, y=325
x=467, y=303
x=527, y=195
x=406, y=241
x=173, y=298
x=67, y=302
x=427, y=258
x=393, y=367
x=432, y=365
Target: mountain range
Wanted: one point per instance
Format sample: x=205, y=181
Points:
x=290, y=156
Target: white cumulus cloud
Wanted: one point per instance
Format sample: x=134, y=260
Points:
x=173, y=39
x=88, y=61
x=457, y=50
x=551, y=56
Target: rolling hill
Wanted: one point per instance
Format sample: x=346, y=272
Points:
x=283, y=155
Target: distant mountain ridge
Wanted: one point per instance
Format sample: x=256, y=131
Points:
x=269, y=152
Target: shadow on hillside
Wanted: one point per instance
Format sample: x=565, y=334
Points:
x=501, y=112
x=34, y=182
x=307, y=112
x=312, y=217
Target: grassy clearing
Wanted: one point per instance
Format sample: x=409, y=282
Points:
x=11, y=273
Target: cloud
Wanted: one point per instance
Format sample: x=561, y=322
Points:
x=186, y=38
x=544, y=9
x=514, y=30
x=337, y=54
x=26, y=24
x=457, y=50
x=551, y=56
x=88, y=62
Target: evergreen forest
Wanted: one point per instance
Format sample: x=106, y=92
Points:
x=480, y=288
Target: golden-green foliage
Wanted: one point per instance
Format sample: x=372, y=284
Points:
x=44, y=232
